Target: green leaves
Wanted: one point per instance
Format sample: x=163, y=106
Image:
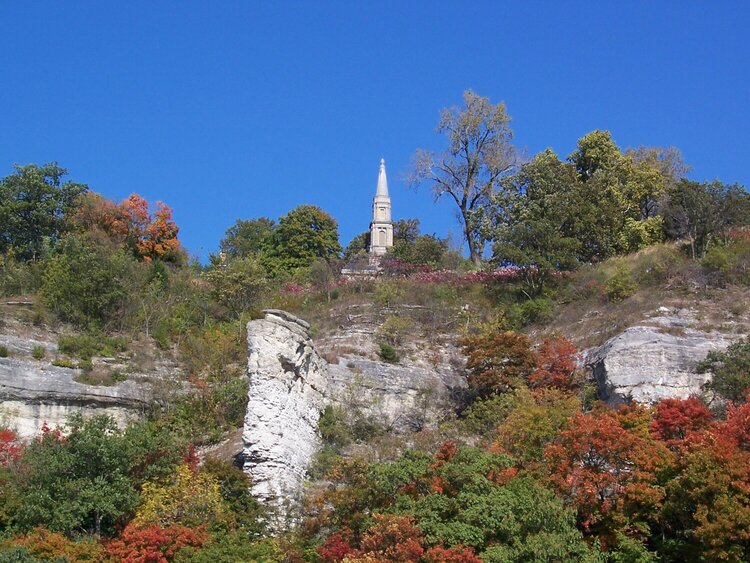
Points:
x=33, y=203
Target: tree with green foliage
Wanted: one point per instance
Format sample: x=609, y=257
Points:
x=358, y=246
x=478, y=156
x=84, y=281
x=76, y=483
x=699, y=212
x=538, y=220
x=303, y=235
x=465, y=496
x=240, y=284
x=731, y=371
x=247, y=237
x=409, y=245
x=625, y=192
x=34, y=202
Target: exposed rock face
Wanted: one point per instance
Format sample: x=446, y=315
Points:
x=286, y=397
x=406, y=398
x=34, y=393
x=290, y=386
x=650, y=363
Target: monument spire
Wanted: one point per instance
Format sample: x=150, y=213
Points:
x=381, y=227
x=382, y=180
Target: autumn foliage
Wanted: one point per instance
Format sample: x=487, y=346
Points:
x=556, y=365
x=606, y=470
x=676, y=419
x=391, y=538
x=132, y=225
x=154, y=544
x=10, y=448
x=498, y=362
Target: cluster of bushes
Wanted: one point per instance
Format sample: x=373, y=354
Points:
x=99, y=493
x=555, y=215
x=551, y=475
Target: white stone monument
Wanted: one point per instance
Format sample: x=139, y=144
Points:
x=381, y=227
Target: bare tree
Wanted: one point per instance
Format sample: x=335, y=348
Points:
x=479, y=154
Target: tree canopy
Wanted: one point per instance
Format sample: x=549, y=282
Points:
x=34, y=201
x=468, y=171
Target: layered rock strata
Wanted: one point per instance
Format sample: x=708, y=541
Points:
x=650, y=363
x=290, y=385
x=35, y=393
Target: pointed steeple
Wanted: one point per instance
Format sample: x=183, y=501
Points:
x=381, y=227
x=382, y=181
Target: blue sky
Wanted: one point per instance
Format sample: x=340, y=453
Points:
x=229, y=110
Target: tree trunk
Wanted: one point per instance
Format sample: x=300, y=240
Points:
x=475, y=253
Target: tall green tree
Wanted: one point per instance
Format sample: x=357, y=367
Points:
x=698, y=212
x=303, y=235
x=84, y=282
x=78, y=483
x=539, y=219
x=478, y=156
x=247, y=237
x=34, y=201
x=625, y=191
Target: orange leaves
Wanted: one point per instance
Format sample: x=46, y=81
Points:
x=154, y=544
x=606, y=469
x=52, y=546
x=131, y=225
x=502, y=361
x=392, y=538
x=498, y=362
x=556, y=365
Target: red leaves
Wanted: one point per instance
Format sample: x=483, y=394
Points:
x=498, y=362
x=675, y=419
x=337, y=546
x=604, y=468
x=456, y=554
x=10, y=448
x=737, y=425
x=556, y=365
x=154, y=544
x=392, y=538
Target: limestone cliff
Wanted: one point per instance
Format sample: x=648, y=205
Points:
x=655, y=360
x=290, y=384
x=33, y=392
x=287, y=388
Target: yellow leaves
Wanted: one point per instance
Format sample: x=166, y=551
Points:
x=190, y=498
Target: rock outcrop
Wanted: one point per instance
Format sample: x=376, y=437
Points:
x=35, y=393
x=650, y=363
x=290, y=384
x=287, y=390
x=403, y=397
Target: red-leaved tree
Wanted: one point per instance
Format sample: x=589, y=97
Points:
x=609, y=473
x=10, y=448
x=556, y=365
x=154, y=544
x=676, y=419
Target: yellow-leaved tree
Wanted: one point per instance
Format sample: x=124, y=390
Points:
x=190, y=498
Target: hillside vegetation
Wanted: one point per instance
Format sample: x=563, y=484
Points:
x=529, y=467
